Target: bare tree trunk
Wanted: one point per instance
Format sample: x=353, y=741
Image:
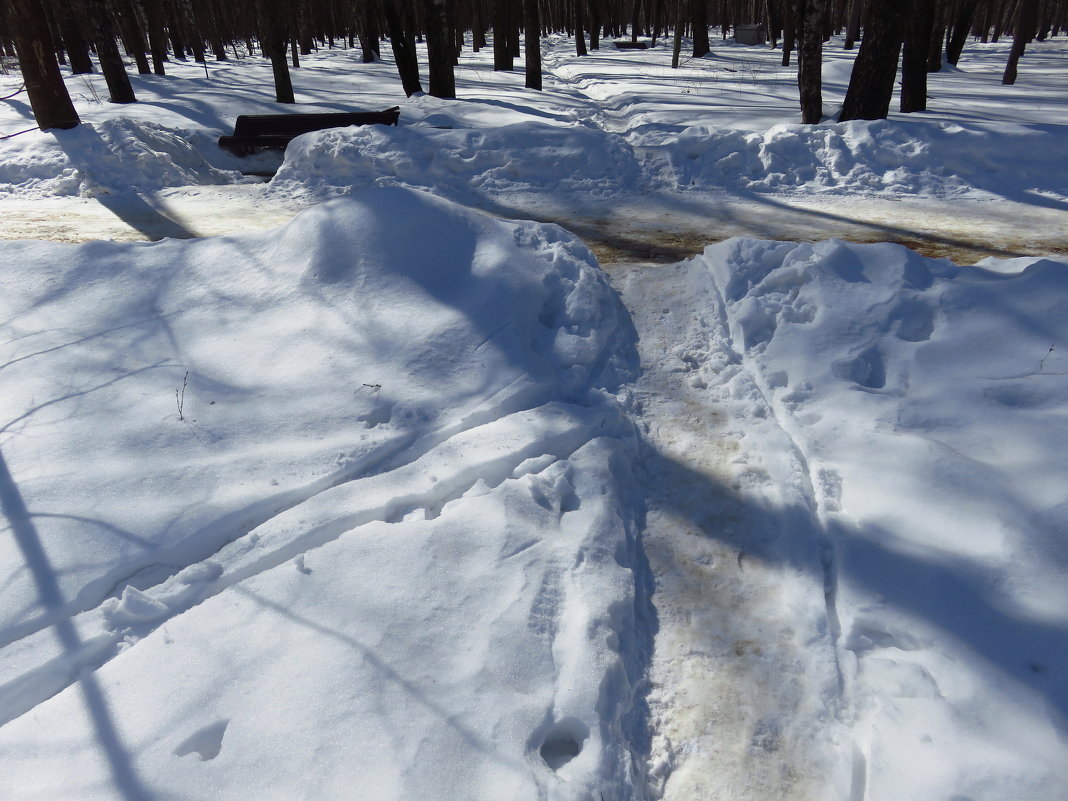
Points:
x=1025, y=28
x=962, y=25
x=402, y=40
x=810, y=61
x=439, y=46
x=871, y=84
x=274, y=38
x=917, y=46
x=853, y=28
x=580, y=22
x=699, y=19
x=533, y=44
x=49, y=99
x=502, y=23
x=157, y=39
x=676, y=46
x=119, y=87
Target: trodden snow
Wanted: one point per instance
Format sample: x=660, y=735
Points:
x=403, y=500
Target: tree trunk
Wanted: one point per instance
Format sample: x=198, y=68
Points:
x=962, y=25
x=533, y=44
x=1025, y=28
x=77, y=49
x=699, y=19
x=49, y=100
x=502, y=23
x=439, y=48
x=402, y=40
x=274, y=38
x=810, y=61
x=917, y=46
x=580, y=22
x=676, y=45
x=871, y=84
x=157, y=39
x=119, y=87
x=853, y=28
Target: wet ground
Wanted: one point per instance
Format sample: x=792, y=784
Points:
x=646, y=228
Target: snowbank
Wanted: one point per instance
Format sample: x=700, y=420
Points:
x=461, y=164
x=108, y=157
x=934, y=159
x=918, y=159
x=383, y=525
x=919, y=413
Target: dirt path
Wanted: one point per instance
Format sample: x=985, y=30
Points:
x=659, y=228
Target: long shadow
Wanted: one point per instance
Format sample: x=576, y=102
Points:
x=125, y=779
x=82, y=145
x=944, y=592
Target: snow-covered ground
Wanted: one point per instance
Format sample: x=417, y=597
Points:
x=405, y=500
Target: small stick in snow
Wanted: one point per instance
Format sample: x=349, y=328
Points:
x=1042, y=363
x=180, y=397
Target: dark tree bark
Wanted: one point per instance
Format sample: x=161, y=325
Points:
x=962, y=25
x=402, y=40
x=119, y=87
x=532, y=23
x=502, y=24
x=810, y=61
x=676, y=45
x=917, y=46
x=1025, y=29
x=70, y=28
x=580, y=22
x=49, y=100
x=157, y=38
x=871, y=84
x=934, y=49
x=274, y=38
x=853, y=28
x=595, y=24
x=789, y=31
x=439, y=46
x=132, y=37
x=699, y=20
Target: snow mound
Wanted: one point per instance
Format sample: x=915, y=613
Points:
x=898, y=158
x=353, y=493
x=461, y=164
x=108, y=157
x=923, y=407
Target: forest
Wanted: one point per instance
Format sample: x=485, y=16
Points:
x=922, y=34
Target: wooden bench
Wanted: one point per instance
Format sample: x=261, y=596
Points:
x=254, y=132
x=624, y=45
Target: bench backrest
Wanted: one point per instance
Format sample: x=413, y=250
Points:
x=297, y=124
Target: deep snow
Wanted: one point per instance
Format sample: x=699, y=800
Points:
x=387, y=492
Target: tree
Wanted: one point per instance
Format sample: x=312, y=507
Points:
x=439, y=47
x=871, y=84
x=49, y=99
x=402, y=40
x=962, y=24
x=502, y=23
x=1025, y=29
x=810, y=61
x=533, y=44
x=917, y=47
x=274, y=38
x=119, y=87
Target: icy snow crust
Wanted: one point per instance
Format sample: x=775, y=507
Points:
x=390, y=537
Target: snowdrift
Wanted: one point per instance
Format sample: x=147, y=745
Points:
x=461, y=164
x=107, y=157
x=340, y=508
x=911, y=414
x=918, y=159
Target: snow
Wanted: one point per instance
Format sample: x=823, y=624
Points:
x=401, y=499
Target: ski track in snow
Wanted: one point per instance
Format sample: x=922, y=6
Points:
x=294, y=529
